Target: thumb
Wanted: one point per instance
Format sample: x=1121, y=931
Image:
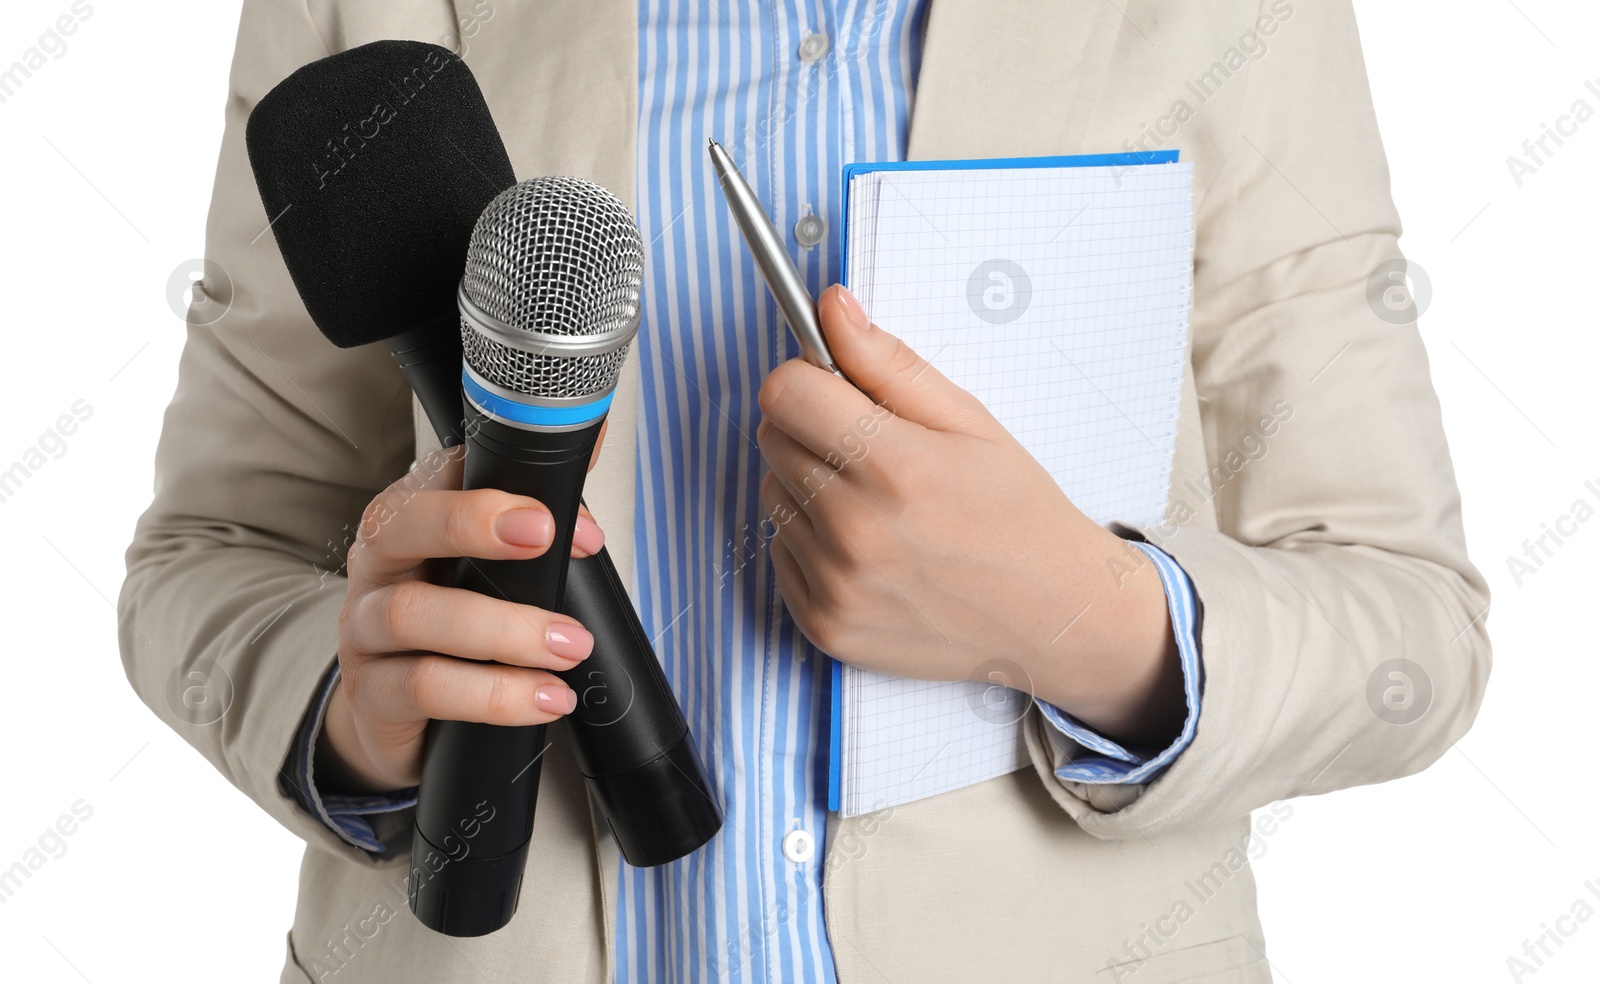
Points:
x=891, y=373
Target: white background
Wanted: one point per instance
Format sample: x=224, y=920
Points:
x=108, y=153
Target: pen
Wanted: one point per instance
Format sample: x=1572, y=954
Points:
x=773, y=259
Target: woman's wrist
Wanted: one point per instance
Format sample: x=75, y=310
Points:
x=1117, y=669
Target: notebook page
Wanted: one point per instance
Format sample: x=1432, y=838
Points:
x=1059, y=297
x=863, y=233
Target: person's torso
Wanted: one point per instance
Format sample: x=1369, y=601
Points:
x=992, y=881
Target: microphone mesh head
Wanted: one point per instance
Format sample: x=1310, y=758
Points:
x=554, y=256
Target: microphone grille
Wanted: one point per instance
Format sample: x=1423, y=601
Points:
x=558, y=260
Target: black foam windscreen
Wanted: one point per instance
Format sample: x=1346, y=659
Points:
x=374, y=164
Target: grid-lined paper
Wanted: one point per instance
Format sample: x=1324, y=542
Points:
x=1087, y=374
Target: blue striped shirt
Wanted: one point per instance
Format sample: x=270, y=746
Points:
x=792, y=109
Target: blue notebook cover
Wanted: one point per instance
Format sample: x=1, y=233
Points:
x=849, y=172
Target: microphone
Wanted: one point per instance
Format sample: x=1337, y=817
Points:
x=374, y=165
x=549, y=303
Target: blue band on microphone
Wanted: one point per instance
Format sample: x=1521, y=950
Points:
x=530, y=414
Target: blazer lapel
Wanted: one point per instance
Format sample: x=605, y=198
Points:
x=993, y=77
x=561, y=77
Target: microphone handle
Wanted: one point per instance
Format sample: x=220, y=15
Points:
x=430, y=358
x=629, y=735
x=480, y=783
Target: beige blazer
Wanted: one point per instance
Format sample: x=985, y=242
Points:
x=1313, y=501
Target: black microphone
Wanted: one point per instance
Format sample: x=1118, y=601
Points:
x=374, y=164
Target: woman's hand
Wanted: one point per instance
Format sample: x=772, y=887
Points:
x=915, y=536
x=394, y=623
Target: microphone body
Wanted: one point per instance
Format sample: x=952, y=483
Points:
x=481, y=779
x=632, y=742
x=429, y=356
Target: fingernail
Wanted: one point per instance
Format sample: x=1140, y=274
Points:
x=525, y=528
x=853, y=312
x=587, y=536
x=555, y=698
x=568, y=640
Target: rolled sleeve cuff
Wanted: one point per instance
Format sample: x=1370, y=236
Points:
x=1098, y=759
x=345, y=815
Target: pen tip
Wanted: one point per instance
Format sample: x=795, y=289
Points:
x=710, y=142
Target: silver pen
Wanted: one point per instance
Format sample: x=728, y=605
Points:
x=777, y=267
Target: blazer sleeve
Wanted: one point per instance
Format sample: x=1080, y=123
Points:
x=1340, y=548
x=272, y=446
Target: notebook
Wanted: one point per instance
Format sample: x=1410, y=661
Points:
x=1056, y=290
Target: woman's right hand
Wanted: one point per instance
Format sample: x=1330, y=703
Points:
x=395, y=623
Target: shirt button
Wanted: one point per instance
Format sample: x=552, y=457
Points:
x=812, y=47
x=798, y=846
x=810, y=230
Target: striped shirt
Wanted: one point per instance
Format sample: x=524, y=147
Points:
x=794, y=92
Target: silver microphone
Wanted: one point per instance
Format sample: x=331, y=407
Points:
x=550, y=298
x=549, y=306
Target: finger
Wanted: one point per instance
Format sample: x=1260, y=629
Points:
x=587, y=537
x=778, y=502
x=791, y=578
x=442, y=469
x=827, y=415
x=804, y=474
x=893, y=374
x=800, y=535
x=400, y=690
x=416, y=616
x=403, y=527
